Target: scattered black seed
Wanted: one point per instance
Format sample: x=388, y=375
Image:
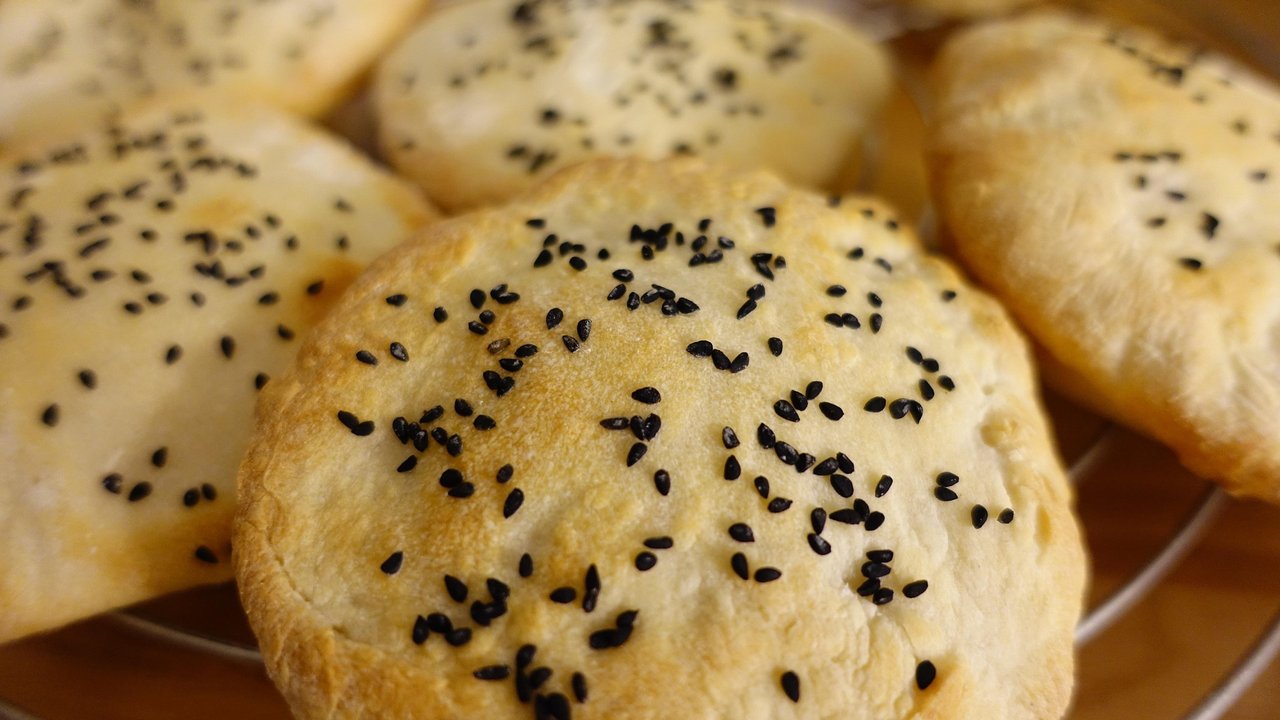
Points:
x=50, y=415
x=440, y=314
x=779, y=504
x=882, y=487
x=591, y=589
x=767, y=574
x=408, y=464
x=456, y=588
x=526, y=565
x=564, y=595
x=762, y=486
x=764, y=434
x=647, y=395
x=947, y=479
x=945, y=494
x=826, y=467
x=1005, y=516
x=786, y=411
x=875, y=404
x=458, y=637
x=925, y=675
x=791, y=686
x=205, y=555
x=700, y=348
x=493, y=672
x=584, y=329
x=159, y=457
x=775, y=346
x=662, y=481
x=554, y=317
x=465, y=490
x=847, y=516
x=1209, y=225
x=874, y=521
x=768, y=215
x=915, y=589
x=819, y=544
x=513, y=502
x=191, y=497
x=636, y=452
x=729, y=438
x=739, y=564
x=842, y=485
x=645, y=561
x=420, y=630
x=228, y=346
x=979, y=516
x=392, y=564
x=398, y=352
x=732, y=470
x=741, y=532
x=366, y=357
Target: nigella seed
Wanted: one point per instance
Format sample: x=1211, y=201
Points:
x=791, y=685
x=875, y=404
x=742, y=533
x=882, y=487
x=764, y=434
x=513, y=502
x=160, y=457
x=869, y=587
x=798, y=400
x=591, y=589
x=926, y=390
x=484, y=422
x=456, y=588
x=747, y=308
x=504, y=474
x=228, y=346
x=88, y=379
x=925, y=675
x=392, y=564
x=775, y=346
x=440, y=314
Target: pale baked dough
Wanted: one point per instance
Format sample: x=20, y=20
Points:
x=152, y=274
x=486, y=98
x=76, y=60
x=329, y=513
x=1119, y=192
x=965, y=8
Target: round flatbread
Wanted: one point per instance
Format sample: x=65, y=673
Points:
x=78, y=60
x=484, y=99
x=660, y=440
x=1119, y=192
x=154, y=274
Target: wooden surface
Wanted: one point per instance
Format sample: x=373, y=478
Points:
x=1157, y=662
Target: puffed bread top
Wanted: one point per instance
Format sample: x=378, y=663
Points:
x=486, y=98
x=714, y=483
x=76, y=61
x=153, y=273
x=1119, y=192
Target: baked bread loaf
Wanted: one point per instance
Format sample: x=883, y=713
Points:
x=657, y=440
x=81, y=60
x=486, y=98
x=1118, y=192
x=154, y=273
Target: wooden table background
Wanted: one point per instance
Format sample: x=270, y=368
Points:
x=1157, y=662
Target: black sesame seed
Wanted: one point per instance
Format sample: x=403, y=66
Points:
x=591, y=589
x=458, y=637
x=925, y=675
x=366, y=357
x=747, y=308
x=645, y=561
x=392, y=564
x=420, y=630
x=398, y=352
x=775, y=346
x=979, y=516
x=732, y=470
x=739, y=564
x=767, y=215
x=740, y=362
x=477, y=298
x=205, y=555
x=767, y=574
x=786, y=411
x=741, y=532
x=826, y=467
x=874, y=521
x=486, y=317
x=440, y=314
x=804, y=461
x=577, y=263
x=945, y=494
x=554, y=316
x=818, y=519
x=544, y=258
x=484, y=422
x=191, y=497
x=947, y=383
x=882, y=596
x=786, y=453
x=720, y=360
x=465, y=490
x=50, y=415
x=492, y=672
x=228, y=346
x=700, y=348
x=947, y=479
x=647, y=395
x=1005, y=516
x=882, y=487
x=779, y=504
x=847, y=516
x=456, y=588
x=662, y=481
x=915, y=589
x=875, y=569
x=764, y=434
x=513, y=502
x=636, y=452
x=564, y=595
x=875, y=404
x=1191, y=263
x=842, y=485
x=729, y=438
x=409, y=464
x=526, y=565
x=791, y=685
x=159, y=457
